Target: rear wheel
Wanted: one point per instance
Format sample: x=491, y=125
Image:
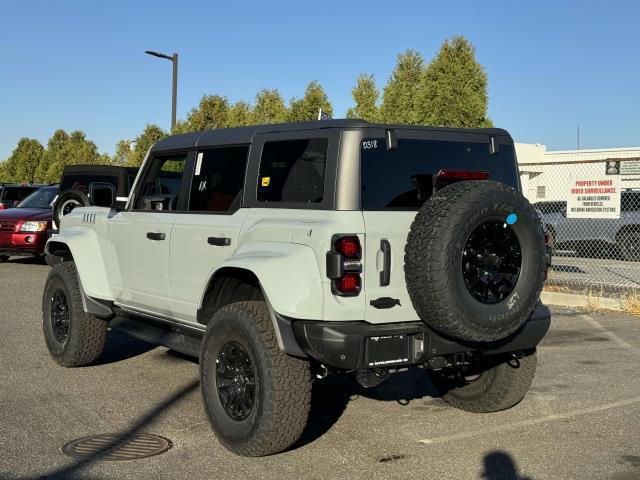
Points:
x=67, y=201
x=475, y=261
x=73, y=337
x=489, y=386
x=256, y=397
x=4, y=258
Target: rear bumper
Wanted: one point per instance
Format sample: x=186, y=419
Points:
x=354, y=345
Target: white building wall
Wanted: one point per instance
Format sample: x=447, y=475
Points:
x=547, y=176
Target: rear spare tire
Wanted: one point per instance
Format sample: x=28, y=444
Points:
x=67, y=201
x=474, y=261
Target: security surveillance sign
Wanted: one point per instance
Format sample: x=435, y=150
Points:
x=594, y=197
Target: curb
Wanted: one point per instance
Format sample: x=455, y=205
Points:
x=572, y=300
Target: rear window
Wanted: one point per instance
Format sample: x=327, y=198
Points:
x=402, y=179
x=81, y=182
x=293, y=171
x=16, y=193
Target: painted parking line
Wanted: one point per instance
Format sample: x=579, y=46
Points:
x=612, y=336
x=534, y=421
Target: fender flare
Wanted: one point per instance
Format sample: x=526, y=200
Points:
x=82, y=245
x=289, y=278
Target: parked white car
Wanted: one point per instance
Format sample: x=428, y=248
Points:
x=281, y=253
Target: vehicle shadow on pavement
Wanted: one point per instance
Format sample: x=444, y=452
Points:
x=499, y=465
x=27, y=260
x=120, y=346
x=74, y=469
x=330, y=397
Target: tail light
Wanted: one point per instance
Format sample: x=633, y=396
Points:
x=2, y=206
x=344, y=266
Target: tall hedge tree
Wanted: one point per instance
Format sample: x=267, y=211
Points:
x=240, y=114
x=71, y=149
x=307, y=107
x=454, y=88
x=366, y=95
x=400, y=96
x=132, y=153
x=269, y=107
x=23, y=162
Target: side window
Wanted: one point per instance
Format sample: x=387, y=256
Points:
x=293, y=171
x=160, y=188
x=218, y=180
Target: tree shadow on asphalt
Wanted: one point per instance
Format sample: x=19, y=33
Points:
x=74, y=469
x=330, y=397
x=499, y=465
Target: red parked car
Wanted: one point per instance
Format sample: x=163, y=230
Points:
x=23, y=229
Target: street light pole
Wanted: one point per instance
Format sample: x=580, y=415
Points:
x=174, y=91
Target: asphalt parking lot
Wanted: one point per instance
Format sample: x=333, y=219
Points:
x=580, y=419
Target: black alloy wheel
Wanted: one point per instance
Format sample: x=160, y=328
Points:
x=60, y=316
x=235, y=381
x=491, y=262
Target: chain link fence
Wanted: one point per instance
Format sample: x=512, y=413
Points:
x=590, y=209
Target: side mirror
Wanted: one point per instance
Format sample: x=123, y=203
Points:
x=102, y=194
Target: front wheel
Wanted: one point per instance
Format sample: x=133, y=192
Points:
x=74, y=338
x=490, y=386
x=4, y=258
x=256, y=397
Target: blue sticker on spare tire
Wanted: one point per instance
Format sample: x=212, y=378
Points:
x=512, y=218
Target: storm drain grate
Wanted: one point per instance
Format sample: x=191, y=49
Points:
x=114, y=447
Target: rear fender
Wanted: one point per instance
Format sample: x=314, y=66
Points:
x=288, y=274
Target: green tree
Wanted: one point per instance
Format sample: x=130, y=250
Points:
x=212, y=112
x=124, y=150
x=399, y=99
x=366, y=95
x=141, y=145
x=23, y=162
x=72, y=149
x=454, y=88
x=239, y=115
x=54, y=154
x=307, y=107
x=269, y=107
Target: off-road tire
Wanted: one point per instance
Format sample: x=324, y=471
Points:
x=499, y=387
x=434, y=256
x=87, y=334
x=283, y=383
x=4, y=258
x=71, y=195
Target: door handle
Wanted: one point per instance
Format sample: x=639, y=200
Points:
x=219, y=241
x=385, y=274
x=156, y=236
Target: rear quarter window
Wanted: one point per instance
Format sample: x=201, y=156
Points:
x=402, y=179
x=293, y=171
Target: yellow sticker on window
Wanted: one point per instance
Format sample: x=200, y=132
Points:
x=266, y=181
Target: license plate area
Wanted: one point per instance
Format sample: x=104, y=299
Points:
x=387, y=350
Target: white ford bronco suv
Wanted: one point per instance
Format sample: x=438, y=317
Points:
x=277, y=254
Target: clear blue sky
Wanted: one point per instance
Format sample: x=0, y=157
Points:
x=80, y=64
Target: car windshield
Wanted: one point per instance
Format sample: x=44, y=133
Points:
x=41, y=198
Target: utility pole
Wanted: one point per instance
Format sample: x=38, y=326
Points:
x=174, y=90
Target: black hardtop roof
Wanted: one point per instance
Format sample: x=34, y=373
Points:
x=244, y=135
x=98, y=170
